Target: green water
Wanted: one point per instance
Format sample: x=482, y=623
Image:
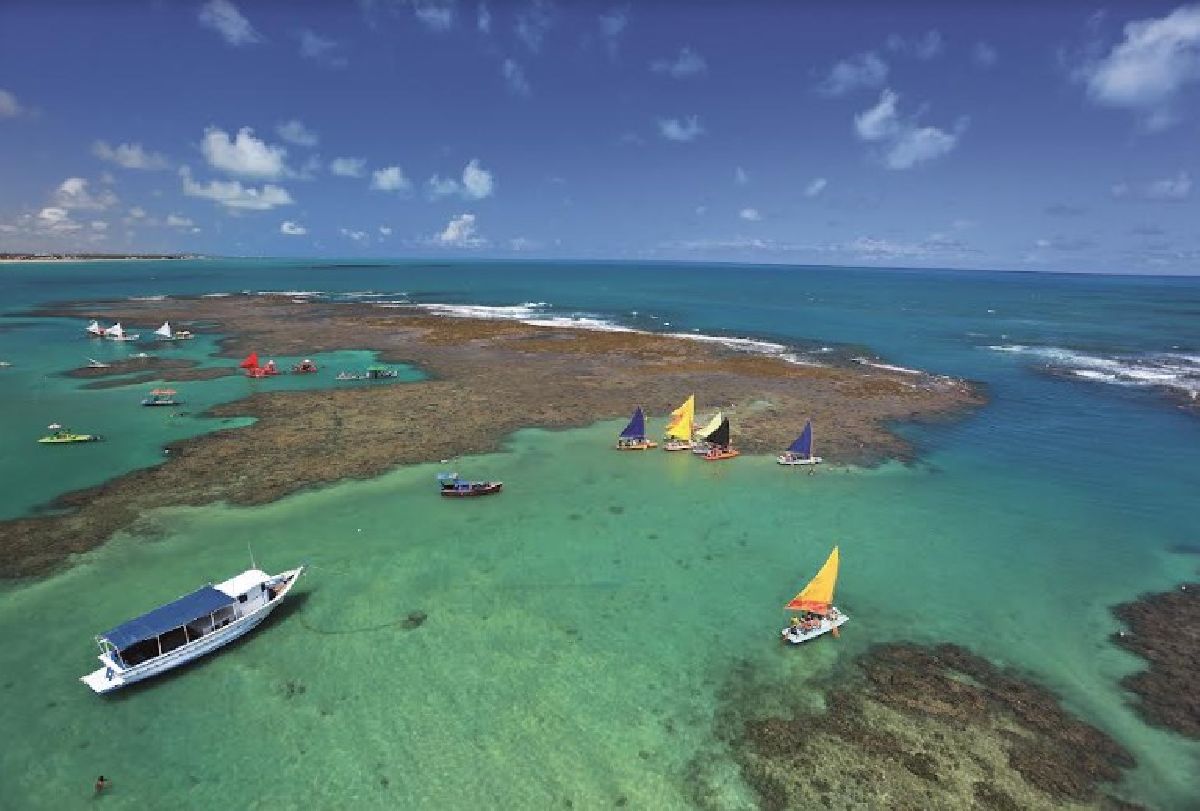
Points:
x=580, y=626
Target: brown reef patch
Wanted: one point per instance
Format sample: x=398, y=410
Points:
x=130, y=371
x=486, y=379
x=1164, y=629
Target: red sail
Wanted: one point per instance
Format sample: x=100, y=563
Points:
x=251, y=361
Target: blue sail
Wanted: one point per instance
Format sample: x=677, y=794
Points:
x=636, y=429
x=803, y=445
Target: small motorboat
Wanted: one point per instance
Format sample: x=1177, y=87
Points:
x=165, y=333
x=162, y=397
x=60, y=435
x=304, y=367
x=680, y=426
x=817, y=615
x=719, y=446
x=454, y=487
x=190, y=627
x=633, y=438
x=800, y=451
x=96, y=364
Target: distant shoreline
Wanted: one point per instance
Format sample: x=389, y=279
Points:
x=17, y=259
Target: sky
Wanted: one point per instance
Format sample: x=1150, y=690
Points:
x=1025, y=136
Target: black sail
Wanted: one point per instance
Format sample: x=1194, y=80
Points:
x=720, y=437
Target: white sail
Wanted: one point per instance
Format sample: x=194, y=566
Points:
x=94, y=328
x=165, y=330
x=115, y=331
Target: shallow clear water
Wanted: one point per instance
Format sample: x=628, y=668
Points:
x=581, y=624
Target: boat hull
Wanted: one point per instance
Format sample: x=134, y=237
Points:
x=826, y=625
x=638, y=446
x=106, y=680
x=812, y=460
x=676, y=445
x=70, y=440
x=153, y=404
x=719, y=456
x=490, y=489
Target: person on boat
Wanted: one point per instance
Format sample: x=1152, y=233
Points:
x=101, y=783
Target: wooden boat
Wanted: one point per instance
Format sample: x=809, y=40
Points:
x=454, y=487
x=304, y=367
x=188, y=628
x=60, y=435
x=719, y=446
x=633, y=438
x=800, y=451
x=680, y=426
x=380, y=372
x=250, y=364
x=816, y=614
x=94, y=330
x=117, y=333
x=700, y=445
x=161, y=397
x=165, y=333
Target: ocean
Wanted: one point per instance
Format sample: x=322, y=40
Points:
x=581, y=627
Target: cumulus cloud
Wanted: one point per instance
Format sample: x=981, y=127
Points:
x=232, y=194
x=244, y=154
x=1146, y=71
x=348, y=167
x=294, y=132
x=73, y=193
x=514, y=77
x=460, y=232
x=436, y=15
x=676, y=129
x=177, y=221
x=984, y=54
x=390, y=178
x=612, y=24
x=357, y=236
x=321, y=50
x=477, y=183
x=483, y=19
x=137, y=213
x=129, y=156
x=223, y=17
x=533, y=22
x=1167, y=190
x=904, y=142
x=862, y=70
x=815, y=186
x=9, y=106
x=385, y=230
x=292, y=229
x=688, y=63
x=750, y=214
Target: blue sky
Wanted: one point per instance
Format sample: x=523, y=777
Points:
x=1060, y=136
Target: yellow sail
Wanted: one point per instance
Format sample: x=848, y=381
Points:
x=713, y=425
x=817, y=596
x=682, y=419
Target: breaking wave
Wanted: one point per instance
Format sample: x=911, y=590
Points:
x=1176, y=372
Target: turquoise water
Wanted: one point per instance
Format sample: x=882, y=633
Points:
x=581, y=625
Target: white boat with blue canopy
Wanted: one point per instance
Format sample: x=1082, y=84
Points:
x=633, y=438
x=800, y=451
x=182, y=630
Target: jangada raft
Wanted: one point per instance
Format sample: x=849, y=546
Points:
x=800, y=451
x=699, y=444
x=454, y=487
x=165, y=333
x=719, y=444
x=817, y=614
x=250, y=364
x=117, y=333
x=680, y=426
x=188, y=628
x=633, y=438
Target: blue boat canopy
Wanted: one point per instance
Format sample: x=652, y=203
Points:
x=636, y=429
x=803, y=443
x=200, y=603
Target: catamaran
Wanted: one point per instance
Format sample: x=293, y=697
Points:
x=633, y=438
x=817, y=614
x=700, y=445
x=800, y=451
x=161, y=397
x=60, y=435
x=679, y=429
x=454, y=487
x=165, y=333
x=190, y=627
x=719, y=446
x=117, y=333
x=94, y=330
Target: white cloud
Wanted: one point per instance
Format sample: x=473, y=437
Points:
x=612, y=24
x=523, y=244
x=436, y=15
x=750, y=214
x=1169, y=189
x=244, y=154
x=129, y=156
x=295, y=132
x=390, y=178
x=437, y=187
x=53, y=214
x=905, y=144
x=1147, y=69
x=357, y=236
x=740, y=177
x=319, y=49
x=73, y=193
x=483, y=19
x=9, y=106
x=815, y=186
x=385, y=230
x=514, y=77
x=477, y=182
x=292, y=229
x=675, y=129
x=348, y=167
x=928, y=46
x=137, y=213
x=862, y=70
x=99, y=225
x=688, y=63
x=232, y=194
x=223, y=17
x=460, y=232
x=177, y=221
x=533, y=22
x=984, y=54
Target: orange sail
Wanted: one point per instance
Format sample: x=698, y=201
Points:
x=251, y=361
x=817, y=596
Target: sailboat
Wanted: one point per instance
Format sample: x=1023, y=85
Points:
x=633, y=438
x=700, y=444
x=817, y=614
x=117, y=333
x=718, y=443
x=165, y=333
x=679, y=429
x=94, y=330
x=800, y=451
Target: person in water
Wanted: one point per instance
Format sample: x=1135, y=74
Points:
x=101, y=783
